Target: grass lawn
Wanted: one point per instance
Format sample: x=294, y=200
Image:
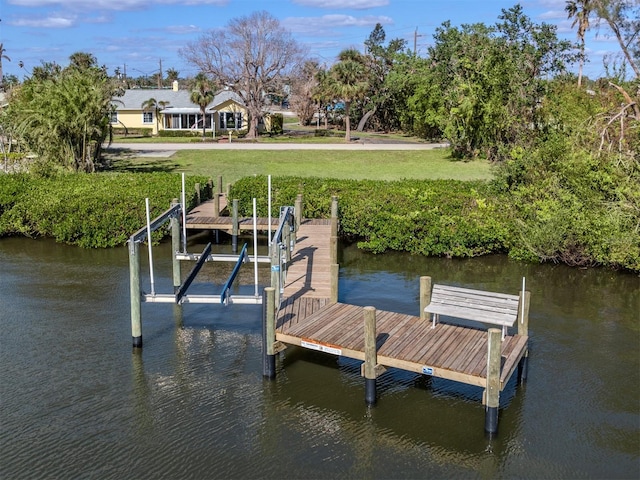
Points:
x=382, y=165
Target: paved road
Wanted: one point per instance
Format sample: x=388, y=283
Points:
x=168, y=149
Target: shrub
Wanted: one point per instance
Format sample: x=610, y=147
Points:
x=86, y=209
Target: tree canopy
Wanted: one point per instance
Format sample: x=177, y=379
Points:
x=251, y=55
x=63, y=114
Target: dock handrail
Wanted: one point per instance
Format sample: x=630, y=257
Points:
x=282, y=244
x=224, y=294
x=156, y=223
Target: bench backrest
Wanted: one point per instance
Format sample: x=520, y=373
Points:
x=486, y=307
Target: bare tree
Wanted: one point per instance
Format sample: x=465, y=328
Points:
x=303, y=84
x=623, y=18
x=251, y=56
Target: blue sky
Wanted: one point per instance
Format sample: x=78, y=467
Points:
x=139, y=33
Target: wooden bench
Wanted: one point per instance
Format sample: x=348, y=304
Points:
x=487, y=307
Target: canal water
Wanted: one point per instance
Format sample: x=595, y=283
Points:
x=75, y=402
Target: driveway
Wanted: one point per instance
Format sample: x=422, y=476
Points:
x=168, y=149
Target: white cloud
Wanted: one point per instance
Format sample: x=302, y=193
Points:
x=182, y=29
x=111, y=4
x=324, y=26
x=53, y=21
x=353, y=4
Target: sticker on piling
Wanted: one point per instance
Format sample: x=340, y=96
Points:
x=275, y=268
x=320, y=348
x=427, y=370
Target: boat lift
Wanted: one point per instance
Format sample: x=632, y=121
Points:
x=281, y=246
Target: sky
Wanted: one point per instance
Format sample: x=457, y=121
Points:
x=141, y=35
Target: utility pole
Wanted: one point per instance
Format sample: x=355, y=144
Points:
x=415, y=42
x=160, y=76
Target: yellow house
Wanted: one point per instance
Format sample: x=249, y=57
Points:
x=159, y=110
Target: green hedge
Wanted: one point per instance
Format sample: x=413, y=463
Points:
x=462, y=219
x=440, y=217
x=89, y=210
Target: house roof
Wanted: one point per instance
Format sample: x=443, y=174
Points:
x=176, y=99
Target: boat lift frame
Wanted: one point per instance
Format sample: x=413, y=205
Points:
x=281, y=245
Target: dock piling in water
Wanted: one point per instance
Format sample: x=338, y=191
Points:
x=134, y=289
x=370, y=355
x=268, y=333
x=492, y=392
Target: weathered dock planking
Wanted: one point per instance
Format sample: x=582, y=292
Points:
x=204, y=217
x=403, y=341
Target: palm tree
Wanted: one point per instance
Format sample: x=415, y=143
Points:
x=348, y=82
x=202, y=96
x=155, y=106
x=579, y=10
x=2, y=55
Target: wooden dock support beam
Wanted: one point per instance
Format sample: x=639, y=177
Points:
x=523, y=329
x=298, y=211
x=269, y=333
x=175, y=248
x=370, y=355
x=234, y=227
x=492, y=392
x=334, y=272
x=425, y=296
x=134, y=289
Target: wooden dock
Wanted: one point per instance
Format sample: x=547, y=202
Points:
x=204, y=217
x=402, y=341
x=307, y=318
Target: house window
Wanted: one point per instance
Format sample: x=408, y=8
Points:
x=230, y=120
x=147, y=117
x=113, y=117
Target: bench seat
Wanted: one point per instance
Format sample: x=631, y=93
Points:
x=478, y=305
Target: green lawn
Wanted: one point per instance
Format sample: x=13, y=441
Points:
x=382, y=165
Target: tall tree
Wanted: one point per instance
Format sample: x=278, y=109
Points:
x=62, y=115
x=252, y=56
x=579, y=11
x=303, y=84
x=623, y=18
x=379, y=103
x=202, y=96
x=3, y=56
x=348, y=82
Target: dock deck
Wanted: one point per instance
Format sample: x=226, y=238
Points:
x=403, y=341
x=204, y=217
x=309, y=319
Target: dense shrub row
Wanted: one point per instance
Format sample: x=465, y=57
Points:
x=448, y=218
x=454, y=218
x=88, y=210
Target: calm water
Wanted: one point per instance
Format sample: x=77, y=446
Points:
x=76, y=403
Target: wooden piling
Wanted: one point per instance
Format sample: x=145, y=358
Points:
x=234, y=227
x=175, y=248
x=334, y=216
x=370, y=355
x=333, y=249
x=334, y=272
x=269, y=333
x=134, y=292
x=197, y=189
x=492, y=391
x=425, y=296
x=275, y=271
x=298, y=211
x=219, y=187
x=523, y=329
x=216, y=205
